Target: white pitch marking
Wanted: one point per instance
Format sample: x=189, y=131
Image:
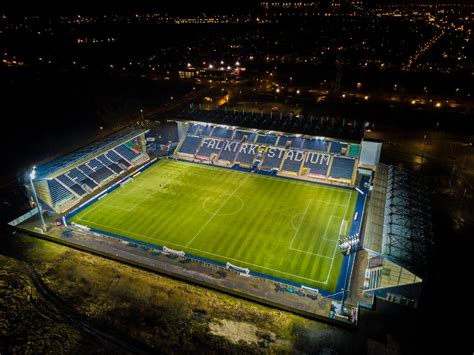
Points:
x=335, y=249
x=299, y=225
x=201, y=251
x=217, y=211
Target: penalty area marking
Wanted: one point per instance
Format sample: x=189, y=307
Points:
x=339, y=237
x=201, y=251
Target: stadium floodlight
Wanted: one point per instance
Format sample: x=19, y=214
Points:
x=32, y=177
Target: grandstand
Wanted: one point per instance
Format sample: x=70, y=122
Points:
x=63, y=183
x=334, y=127
x=281, y=229
x=300, y=156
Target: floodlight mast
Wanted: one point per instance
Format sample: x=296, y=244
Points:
x=32, y=177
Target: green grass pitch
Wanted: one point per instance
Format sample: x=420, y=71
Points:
x=280, y=227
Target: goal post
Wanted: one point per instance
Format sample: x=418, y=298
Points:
x=173, y=252
x=244, y=270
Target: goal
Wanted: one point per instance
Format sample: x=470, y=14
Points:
x=237, y=268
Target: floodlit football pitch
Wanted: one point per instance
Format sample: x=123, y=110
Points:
x=279, y=227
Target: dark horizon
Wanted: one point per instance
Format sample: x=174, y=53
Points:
x=179, y=7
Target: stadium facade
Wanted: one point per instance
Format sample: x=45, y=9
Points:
x=387, y=236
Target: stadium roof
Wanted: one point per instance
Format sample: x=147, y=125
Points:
x=52, y=167
x=334, y=127
x=398, y=224
x=376, y=210
x=407, y=223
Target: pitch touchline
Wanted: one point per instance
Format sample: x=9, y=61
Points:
x=202, y=251
x=334, y=253
x=216, y=212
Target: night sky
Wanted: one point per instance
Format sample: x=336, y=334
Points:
x=53, y=7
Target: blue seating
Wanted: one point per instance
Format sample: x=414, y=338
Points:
x=78, y=189
x=246, y=155
x=113, y=156
x=251, y=137
x=89, y=182
x=342, y=168
x=193, y=128
x=190, y=145
x=315, y=144
x=104, y=160
x=338, y=147
x=206, y=130
x=295, y=141
x=210, y=146
x=101, y=174
x=66, y=180
x=76, y=175
x=80, y=178
x=85, y=169
x=221, y=132
x=317, y=163
x=115, y=168
x=293, y=160
x=239, y=135
x=230, y=151
x=271, y=139
x=108, y=163
x=268, y=139
x=272, y=159
x=126, y=152
x=94, y=164
x=59, y=193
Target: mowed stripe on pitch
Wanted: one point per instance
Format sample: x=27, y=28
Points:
x=167, y=200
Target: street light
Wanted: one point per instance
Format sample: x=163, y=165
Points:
x=32, y=177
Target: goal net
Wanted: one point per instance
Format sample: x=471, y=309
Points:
x=122, y=184
x=237, y=268
x=173, y=252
